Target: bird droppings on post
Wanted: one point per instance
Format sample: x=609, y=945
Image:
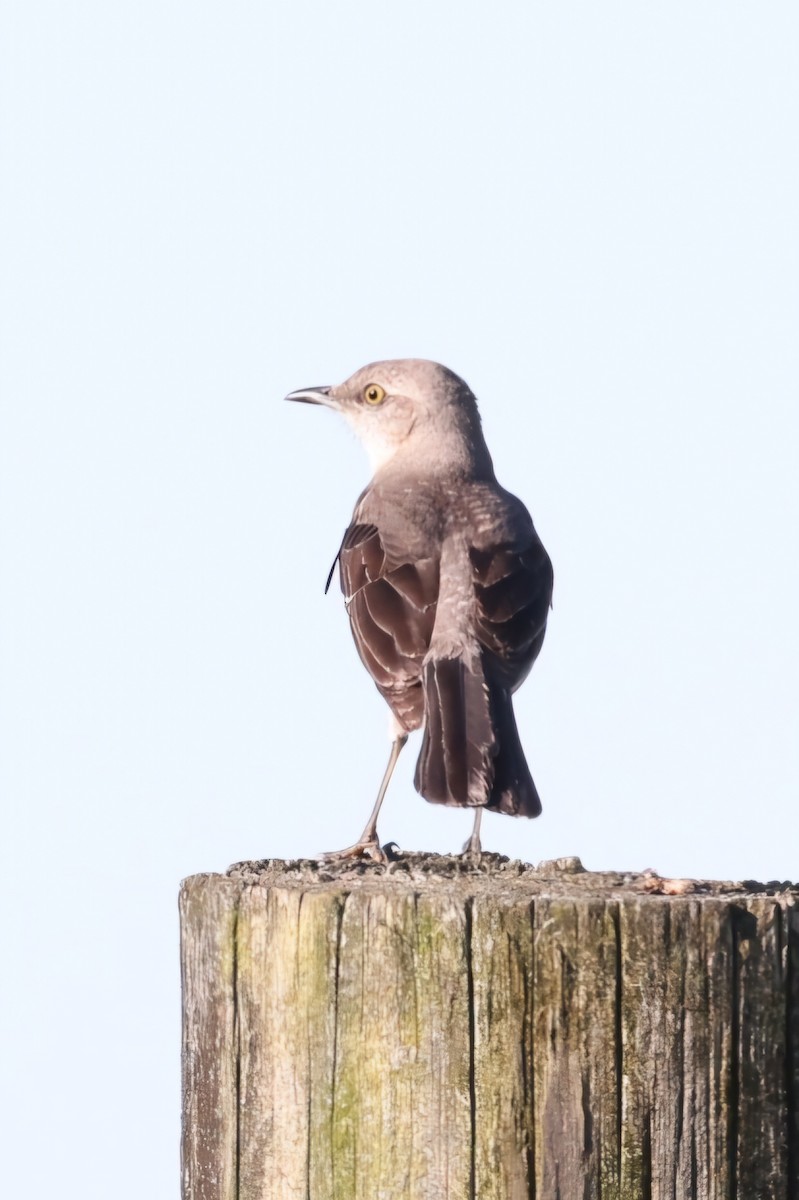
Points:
x=448, y=589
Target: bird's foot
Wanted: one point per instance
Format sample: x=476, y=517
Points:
x=472, y=849
x=367, y=847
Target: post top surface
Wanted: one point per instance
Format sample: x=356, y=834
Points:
x=493, y=874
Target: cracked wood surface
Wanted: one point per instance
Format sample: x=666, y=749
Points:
x=434, y=1029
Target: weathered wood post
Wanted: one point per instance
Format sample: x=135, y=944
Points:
x=432, y=1031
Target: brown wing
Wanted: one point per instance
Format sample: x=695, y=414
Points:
x=513, y=587
x=392, y=607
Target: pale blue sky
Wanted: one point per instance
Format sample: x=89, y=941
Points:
x=588, y=211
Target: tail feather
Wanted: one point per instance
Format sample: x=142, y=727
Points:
x=447, y=703
x=513, y=790
x=431, y=764
x=471, y=753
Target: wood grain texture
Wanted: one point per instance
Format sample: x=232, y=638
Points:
x=211, y=1053
x=501, y=953
x=677, y=1003
x=435, y=1031
x=575, y=1051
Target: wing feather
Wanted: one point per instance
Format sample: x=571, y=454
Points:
x=392, y=609
x=513, y=592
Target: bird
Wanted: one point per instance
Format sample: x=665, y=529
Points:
x=447, y=585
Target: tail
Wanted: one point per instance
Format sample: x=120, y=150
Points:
x=471, y=753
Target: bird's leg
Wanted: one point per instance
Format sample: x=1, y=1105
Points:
x=367, y=845
x=472, y=848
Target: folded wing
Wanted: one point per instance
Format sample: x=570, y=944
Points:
x=392, y=608
x=513, y=592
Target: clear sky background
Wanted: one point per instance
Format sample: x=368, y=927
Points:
x=589, y=211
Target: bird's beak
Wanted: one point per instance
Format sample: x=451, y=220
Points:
x=314, y=395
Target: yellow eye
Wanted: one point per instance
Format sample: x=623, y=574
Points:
x=374, y=394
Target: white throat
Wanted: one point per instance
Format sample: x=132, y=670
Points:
x=382, y=441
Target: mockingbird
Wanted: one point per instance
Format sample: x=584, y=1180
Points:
x=447, y=586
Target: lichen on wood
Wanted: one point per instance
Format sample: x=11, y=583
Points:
x=437, y=1028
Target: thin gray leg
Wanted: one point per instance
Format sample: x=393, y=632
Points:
x=472, y=848
x=367, y=845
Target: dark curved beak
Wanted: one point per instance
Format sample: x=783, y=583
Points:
x=314, y=395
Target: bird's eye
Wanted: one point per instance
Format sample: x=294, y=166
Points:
x=374, y=394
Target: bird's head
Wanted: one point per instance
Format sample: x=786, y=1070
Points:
x=409, y=407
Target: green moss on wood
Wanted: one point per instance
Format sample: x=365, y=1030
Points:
x=397, y=1038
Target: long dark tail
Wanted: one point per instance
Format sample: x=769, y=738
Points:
x=471, y=753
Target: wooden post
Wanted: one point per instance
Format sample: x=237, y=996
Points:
x=432, y=1030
